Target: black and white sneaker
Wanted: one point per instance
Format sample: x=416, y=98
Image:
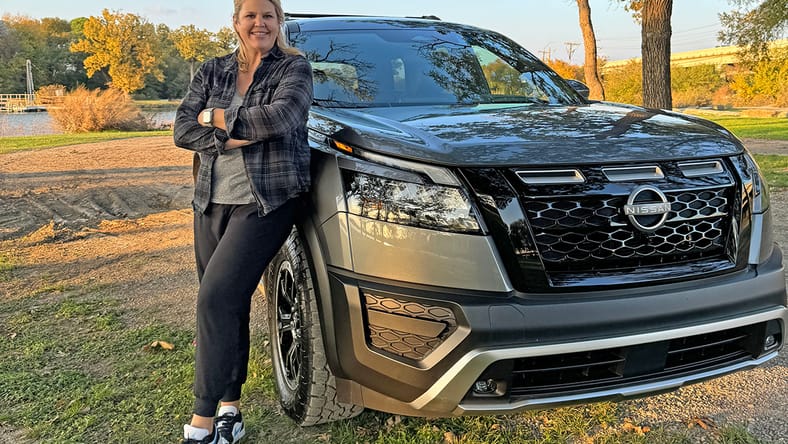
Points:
x=191, y=434
x=229, y=425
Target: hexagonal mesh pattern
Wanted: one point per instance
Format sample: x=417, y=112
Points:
x=403, y=343
x=586, y=233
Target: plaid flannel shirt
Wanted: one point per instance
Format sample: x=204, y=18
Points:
x=273, y=114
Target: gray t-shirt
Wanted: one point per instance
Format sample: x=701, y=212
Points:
x=230, y=184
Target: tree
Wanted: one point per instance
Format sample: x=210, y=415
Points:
x=44, y=42
x=9, y=48
x=655, y=32
x=655, y=52
x=590, y=68
x=226, y=39
x=565, y=69
x=753, y=29
x=125, y=43
x=194, y=45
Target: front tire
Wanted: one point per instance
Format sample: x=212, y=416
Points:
x=306, y=386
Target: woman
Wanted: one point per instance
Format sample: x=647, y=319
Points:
x=245, y=115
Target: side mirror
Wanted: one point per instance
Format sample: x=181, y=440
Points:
x=579, y=86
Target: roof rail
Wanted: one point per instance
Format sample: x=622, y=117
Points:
x=296, y=15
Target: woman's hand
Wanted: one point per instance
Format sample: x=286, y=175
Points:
x=235, y=143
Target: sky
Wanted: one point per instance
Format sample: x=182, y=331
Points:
x=547, y=28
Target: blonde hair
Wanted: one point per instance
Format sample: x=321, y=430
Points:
x=281, y=42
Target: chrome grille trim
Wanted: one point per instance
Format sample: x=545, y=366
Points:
x=637, y=173
x=551, y=177
x=701, y=169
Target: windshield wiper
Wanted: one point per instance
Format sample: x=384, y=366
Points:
x=517, y=99
x=339, y=103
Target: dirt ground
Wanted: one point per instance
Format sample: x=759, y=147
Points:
x=117, y=214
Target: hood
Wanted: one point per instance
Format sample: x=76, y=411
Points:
x=505, y=134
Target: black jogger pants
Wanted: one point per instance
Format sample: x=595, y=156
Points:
x=233, y=245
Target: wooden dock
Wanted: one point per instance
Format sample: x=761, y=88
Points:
x=19, y=103
x=16, y=103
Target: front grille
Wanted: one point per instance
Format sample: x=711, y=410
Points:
x=614, y=225
x=576, y=372
x=591, y=233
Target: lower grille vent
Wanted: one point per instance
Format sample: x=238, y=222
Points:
x=405, y=328
x=577, y=372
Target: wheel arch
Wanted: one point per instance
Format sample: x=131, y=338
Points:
x=313, y=247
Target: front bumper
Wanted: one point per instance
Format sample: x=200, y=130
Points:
x=391, y=355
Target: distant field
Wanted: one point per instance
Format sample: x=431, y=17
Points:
x=153, y=105
x=19, y=143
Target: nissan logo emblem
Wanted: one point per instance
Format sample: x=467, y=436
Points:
x=647, y=208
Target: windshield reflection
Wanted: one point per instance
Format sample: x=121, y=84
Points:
x=429, y=65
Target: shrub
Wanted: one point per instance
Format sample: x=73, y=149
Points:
x=694, y=85
x=86, y=111
x=50, y=94
x=624, y=85
x=763, y=83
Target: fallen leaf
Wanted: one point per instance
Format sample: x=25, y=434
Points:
x=629, y=426
x=164, y=345
x=450, y=438
x=704, y=423
x=393, y=421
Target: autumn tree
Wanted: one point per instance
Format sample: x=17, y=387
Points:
x=590, y=68
x=123, y=42
x=194, y=45
x=565, y=69
x=226, y=39
x=753, y=28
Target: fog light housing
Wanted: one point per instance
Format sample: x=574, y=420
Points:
x=489, y=388
x=484, y=387
x=770, y=342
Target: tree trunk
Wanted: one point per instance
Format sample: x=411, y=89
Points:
x=191, y=70
x=595, y=87
x=655, y=47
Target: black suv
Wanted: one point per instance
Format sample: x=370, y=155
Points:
x=482, y=239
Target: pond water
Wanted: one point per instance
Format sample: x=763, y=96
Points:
x=36, y=124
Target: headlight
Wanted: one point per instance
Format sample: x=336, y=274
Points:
x=760, y=192
x=416, y=204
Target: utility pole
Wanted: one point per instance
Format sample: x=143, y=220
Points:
x=570, y=49
x=546, y=53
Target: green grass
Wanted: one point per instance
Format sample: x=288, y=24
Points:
x=161, y=104
x=774, y=128
x=6, y=267
x=73, y=372
x=20, y=143
x=774, y=168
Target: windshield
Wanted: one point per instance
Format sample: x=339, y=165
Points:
x=426, y=66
